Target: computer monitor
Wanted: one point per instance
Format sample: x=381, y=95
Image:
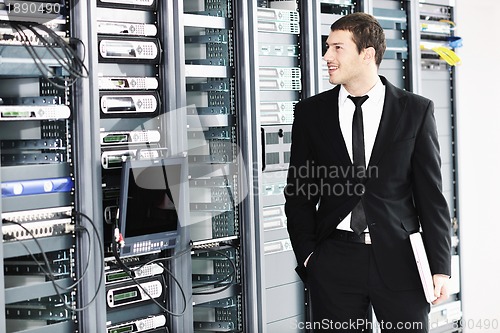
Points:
x=152, y=203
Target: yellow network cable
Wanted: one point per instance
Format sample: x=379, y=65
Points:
x=444, y=52
x=453, y=24
x=448, y=55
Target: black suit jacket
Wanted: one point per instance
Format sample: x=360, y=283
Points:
x=402, y=191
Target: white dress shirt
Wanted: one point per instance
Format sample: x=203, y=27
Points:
x=372, y=113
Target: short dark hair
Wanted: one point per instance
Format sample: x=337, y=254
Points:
x=366, y=32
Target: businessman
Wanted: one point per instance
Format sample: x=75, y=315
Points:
x=364, y=174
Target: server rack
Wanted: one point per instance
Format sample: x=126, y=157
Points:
x=436, y=27
x=88, y=172
x=41, y=63
x=210, y=97
x=279, y=86
x=129, y=49
x=409, y=26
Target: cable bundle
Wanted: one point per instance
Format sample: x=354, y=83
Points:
x=58, y=48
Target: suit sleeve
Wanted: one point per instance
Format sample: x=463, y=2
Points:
x=302, y=190
x=429, y=200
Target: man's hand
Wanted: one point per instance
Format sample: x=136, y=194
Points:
x=440, y=287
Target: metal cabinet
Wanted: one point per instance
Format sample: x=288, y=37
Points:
x=41, y=62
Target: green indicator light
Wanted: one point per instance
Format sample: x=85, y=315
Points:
x=116, y=138
x=123, y=296
x=16, y=114
x=117, y=276
x=124, y=329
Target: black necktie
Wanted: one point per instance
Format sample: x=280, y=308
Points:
x=358, y=218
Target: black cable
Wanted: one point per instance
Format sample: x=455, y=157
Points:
x=129, y=272
x=180, y=288
x=27, y=250
x=221, y=289
x=69, y=60
x=65, y=48
x=228, y=276
x=42, y=68
x=66, y=60
x=50, y=274
x=87, y=265
x=26, y=43
x=63, y=61
x=114, y=247
x=189, y=249
x=101, y=249
x=175, y=256
x=79, y=41
x=156, y=302
x=57, y=287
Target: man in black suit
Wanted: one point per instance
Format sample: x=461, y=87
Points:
x=365, y=174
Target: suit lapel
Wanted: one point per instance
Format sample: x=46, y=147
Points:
x=394, y=104
x=330, y=125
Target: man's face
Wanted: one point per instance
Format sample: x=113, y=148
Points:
x=345, y=64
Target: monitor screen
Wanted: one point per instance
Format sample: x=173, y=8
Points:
x=151, y=204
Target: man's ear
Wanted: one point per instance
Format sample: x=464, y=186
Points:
x=369, y=54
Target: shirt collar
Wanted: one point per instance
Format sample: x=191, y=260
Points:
x=375, y=93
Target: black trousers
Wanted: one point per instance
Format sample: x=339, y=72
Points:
x=343, y=280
